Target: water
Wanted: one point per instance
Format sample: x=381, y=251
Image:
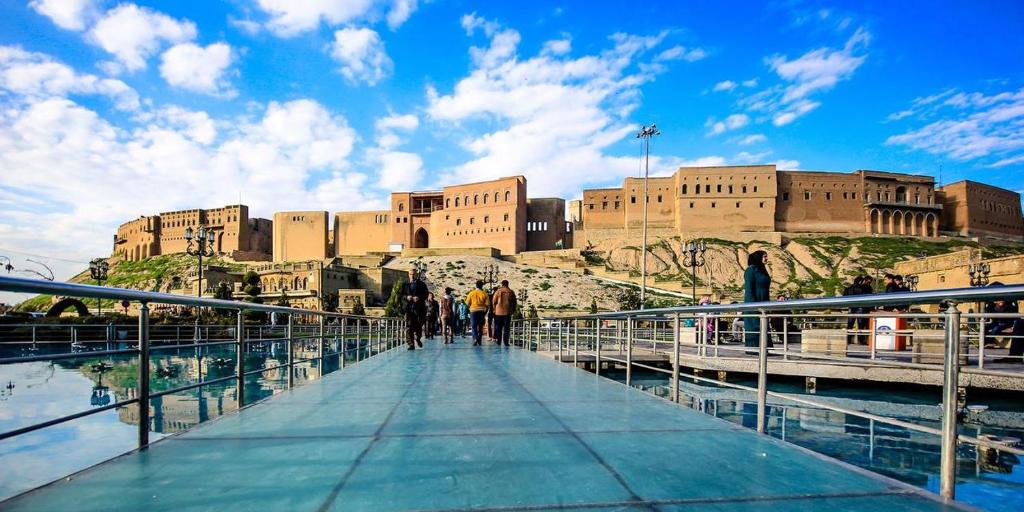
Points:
x=988, y=480
x=35, y=392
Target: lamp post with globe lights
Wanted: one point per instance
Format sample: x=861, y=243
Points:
x=98, y=269
x=200, y=243
x=693, y=257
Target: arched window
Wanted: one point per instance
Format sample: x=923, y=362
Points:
x=507, y=195
x=472, y=220
x=305, y=283
x=456, y=202
x=401, y=207
x=495, y=197
x=485, y=198
x=685, y=187
x=487, y=218
x=447, y=203
x=506, y=217
x=458, y=222
x=476, y=199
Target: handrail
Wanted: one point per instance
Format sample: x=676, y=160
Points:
x=952, y=321
x=24, y=285
x=957, y=295
x=373, y=335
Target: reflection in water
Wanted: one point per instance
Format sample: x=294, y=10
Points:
x=41, y=391
x=987, y=479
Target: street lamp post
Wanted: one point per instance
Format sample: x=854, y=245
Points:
x=490, y=273
x=912, y=281
x=645, y=133
x=199, y=244
x=693, y=257
x=979, y=274
x=98, y=269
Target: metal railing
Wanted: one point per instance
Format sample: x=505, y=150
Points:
x=372, y=336
x=626, y=337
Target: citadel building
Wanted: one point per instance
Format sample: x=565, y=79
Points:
x=736, y=202
x=235, y=234
x=763, y=202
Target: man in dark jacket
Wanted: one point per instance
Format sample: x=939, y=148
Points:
x=414, y=293
x=1014, y=325
x=503, y=304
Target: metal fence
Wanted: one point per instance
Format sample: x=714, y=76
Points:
x=330, y=334
x=681, y=337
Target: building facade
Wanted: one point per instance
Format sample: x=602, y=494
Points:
x=762, y=199
x=235, y=233
x=975, y=209
x=300, y=236
x=494, y=213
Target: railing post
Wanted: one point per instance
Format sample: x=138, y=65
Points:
x=291, y=353
x=576, y=342
x=320, y=344
x=359, y=332
x=762, y=376
x=629, y=351
x=981, y=342
x=675, y=359
x=785, y=338
x=560, y=338
x=344, y=341
x=240, y=355
x=143, y=375
x=597, y=346
x=950, y=385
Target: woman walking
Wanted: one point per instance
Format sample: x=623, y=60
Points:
x=432, y=307
x=756, y=288
x=447, y=315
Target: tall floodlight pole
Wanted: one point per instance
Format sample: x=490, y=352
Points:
x=645, y=133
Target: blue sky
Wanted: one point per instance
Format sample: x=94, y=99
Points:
x=115, y=109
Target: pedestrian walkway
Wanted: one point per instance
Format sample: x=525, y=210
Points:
x=471, y=428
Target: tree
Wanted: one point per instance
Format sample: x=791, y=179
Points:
x=593, y=306
x=251, y=285
x=358, y=309
x=629, y=299
x=533, y=312
x=331, y=301
x=223, y=291
x=394, y=306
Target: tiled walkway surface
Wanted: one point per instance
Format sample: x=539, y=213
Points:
x=460, y=428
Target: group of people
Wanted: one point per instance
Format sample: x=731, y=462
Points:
x=450, y=315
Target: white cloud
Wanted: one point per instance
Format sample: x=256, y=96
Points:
x=198, y=69
x=724, y=85
x=896, y=116
x=133, y=34
x=810, y=74
x=36, y=75
x=549, y=117
x=398, y=122
x=291, y=154
x=750, y=83
x=400, y=12
x=681, y=53
x=66, y=14
x=362, y=55
x=399, y=170
x=733, y=122
x=752, y=139
x=971, y=126
x=558, y=46
x=291, y=17
x=786, y=165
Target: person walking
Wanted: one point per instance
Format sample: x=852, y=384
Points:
x=447, y=315
x=478, y=303
x=854, y=322
x=415, y=293
x=462, y=312
x=490, y=317
x=432, y=316
x=503, y=304
x=756, y=288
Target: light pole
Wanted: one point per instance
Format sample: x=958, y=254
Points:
x=98, y=269
x=979, y=274
x=693, y=257
x=490, y=273
x=645, y=133
x=203, y=246
x=912, y=281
